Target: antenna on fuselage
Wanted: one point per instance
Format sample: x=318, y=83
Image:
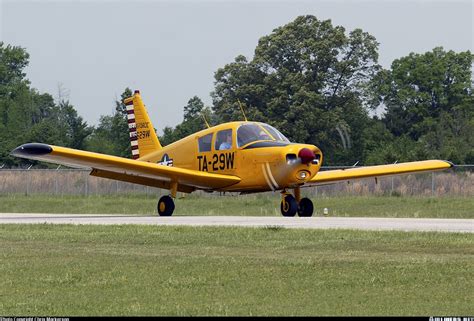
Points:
x=204, y=117
x=242, y=109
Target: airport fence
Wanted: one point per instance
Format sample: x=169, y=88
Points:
x=454, y=182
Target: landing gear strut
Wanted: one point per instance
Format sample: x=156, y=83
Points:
x=166, y=204
x=290, y=205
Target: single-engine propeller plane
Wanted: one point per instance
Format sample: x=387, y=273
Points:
x=240, y=156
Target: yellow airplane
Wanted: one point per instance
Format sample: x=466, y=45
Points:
x=241, y=156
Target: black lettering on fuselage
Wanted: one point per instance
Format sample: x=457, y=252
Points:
x=204, y=164
x=229, y=159
x=214, y=162
x=200, y=161
x=220, y=161
x=222, y=158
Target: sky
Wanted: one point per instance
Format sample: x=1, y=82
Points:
x=170, y=50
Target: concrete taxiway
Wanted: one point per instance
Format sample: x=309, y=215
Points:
x=359, y=223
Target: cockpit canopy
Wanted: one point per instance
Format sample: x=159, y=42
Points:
x=252, y=132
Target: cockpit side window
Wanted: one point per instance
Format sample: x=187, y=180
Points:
x=223, y=140
x=204, y=143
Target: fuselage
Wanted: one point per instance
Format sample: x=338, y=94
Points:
x=257, y=153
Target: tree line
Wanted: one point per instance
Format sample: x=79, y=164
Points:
x=315, y=82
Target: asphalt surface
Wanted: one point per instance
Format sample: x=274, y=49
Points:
x=359, y=223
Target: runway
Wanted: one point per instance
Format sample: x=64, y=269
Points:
x=359, y=223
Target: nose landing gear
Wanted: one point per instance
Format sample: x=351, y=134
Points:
x=290, y=205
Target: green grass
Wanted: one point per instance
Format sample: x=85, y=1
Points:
x=146, y=270
x=251, y=205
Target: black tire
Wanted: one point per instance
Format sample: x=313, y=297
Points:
x=165, y=206
x=305, y=207
x=289, y=206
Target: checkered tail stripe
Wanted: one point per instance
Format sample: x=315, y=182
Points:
x=132, y=127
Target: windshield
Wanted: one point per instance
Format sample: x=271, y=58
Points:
x=275, y=133
x=253, y=132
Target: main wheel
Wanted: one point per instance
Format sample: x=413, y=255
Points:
x=165, y=206
x=289, y=206
x=305, y=207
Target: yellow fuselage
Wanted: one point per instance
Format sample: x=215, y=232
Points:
x=261, y=165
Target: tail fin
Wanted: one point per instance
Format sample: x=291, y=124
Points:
x=142, y=133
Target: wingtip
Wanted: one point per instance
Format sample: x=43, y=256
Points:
x=451, y=164
x=31, y=149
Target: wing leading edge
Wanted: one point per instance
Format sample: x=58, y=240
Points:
x=125, y=169
x=327, y=177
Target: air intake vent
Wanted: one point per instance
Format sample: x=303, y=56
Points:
x=291, y=158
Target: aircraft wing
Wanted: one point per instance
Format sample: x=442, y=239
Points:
x=333, y=176
x=125, y=169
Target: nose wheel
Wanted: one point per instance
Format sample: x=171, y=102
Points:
x=290, y=205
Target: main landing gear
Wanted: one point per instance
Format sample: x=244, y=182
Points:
x=290, y=205
x=166, y=204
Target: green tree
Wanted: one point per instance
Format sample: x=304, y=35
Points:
x=14, y=98
x=12, y=62
x=168, y=137
x=27, y=115
x=111, y=136
x=308, y=79
x=429, y=98
x=76, y=129
x=192, y=122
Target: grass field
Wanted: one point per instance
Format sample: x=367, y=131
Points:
x=252, y=205
x=144, y=270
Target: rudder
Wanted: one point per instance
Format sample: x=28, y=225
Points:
x=143, y=138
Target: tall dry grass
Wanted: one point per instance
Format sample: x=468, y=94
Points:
x=78, y=182
x=427, y=184
x=63, y=182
